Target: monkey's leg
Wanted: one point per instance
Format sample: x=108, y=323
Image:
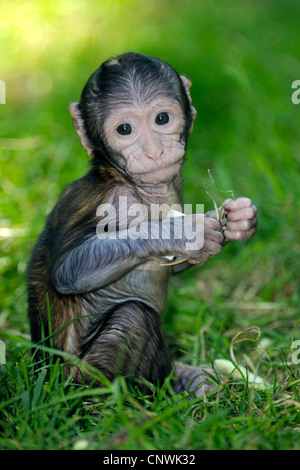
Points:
x=194, y=379
x=130, y=343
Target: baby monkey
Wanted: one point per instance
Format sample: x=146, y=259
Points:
x=104, y=273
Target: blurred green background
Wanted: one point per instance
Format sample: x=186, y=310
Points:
x=242, y=58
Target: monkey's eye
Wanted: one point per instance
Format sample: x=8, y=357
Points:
x=124, y=129
x=162, y=119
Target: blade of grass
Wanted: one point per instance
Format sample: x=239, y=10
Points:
x=38, y=388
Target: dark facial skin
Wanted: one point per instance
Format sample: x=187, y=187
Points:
x=133, y=118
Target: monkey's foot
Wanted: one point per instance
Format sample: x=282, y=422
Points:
x=195, y=380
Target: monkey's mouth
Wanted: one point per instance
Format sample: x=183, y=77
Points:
x=158, y=174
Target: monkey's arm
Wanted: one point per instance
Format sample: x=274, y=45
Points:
x=92, y=263
x=97, y=262
x=82, y=259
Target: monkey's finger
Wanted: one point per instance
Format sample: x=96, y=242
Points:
x=212, y=247
x=242, y=225
x=237, y=204
x=245, y=213
x=239, y=236
x=212, y=223
x=214, y=235
x=200, y=259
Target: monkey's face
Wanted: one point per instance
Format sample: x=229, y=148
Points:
x=147, y=139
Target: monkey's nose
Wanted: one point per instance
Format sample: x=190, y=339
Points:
x=155, y=155
x=152, y=145
x=153, y=149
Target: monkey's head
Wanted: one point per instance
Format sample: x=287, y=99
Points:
x=135, y=113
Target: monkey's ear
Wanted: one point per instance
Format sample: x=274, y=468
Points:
x=187, y=83
x=79, y=127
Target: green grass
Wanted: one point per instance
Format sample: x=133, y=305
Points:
x=242, y=59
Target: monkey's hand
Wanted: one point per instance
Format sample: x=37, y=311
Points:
x=209, y=239
x=242, y=219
